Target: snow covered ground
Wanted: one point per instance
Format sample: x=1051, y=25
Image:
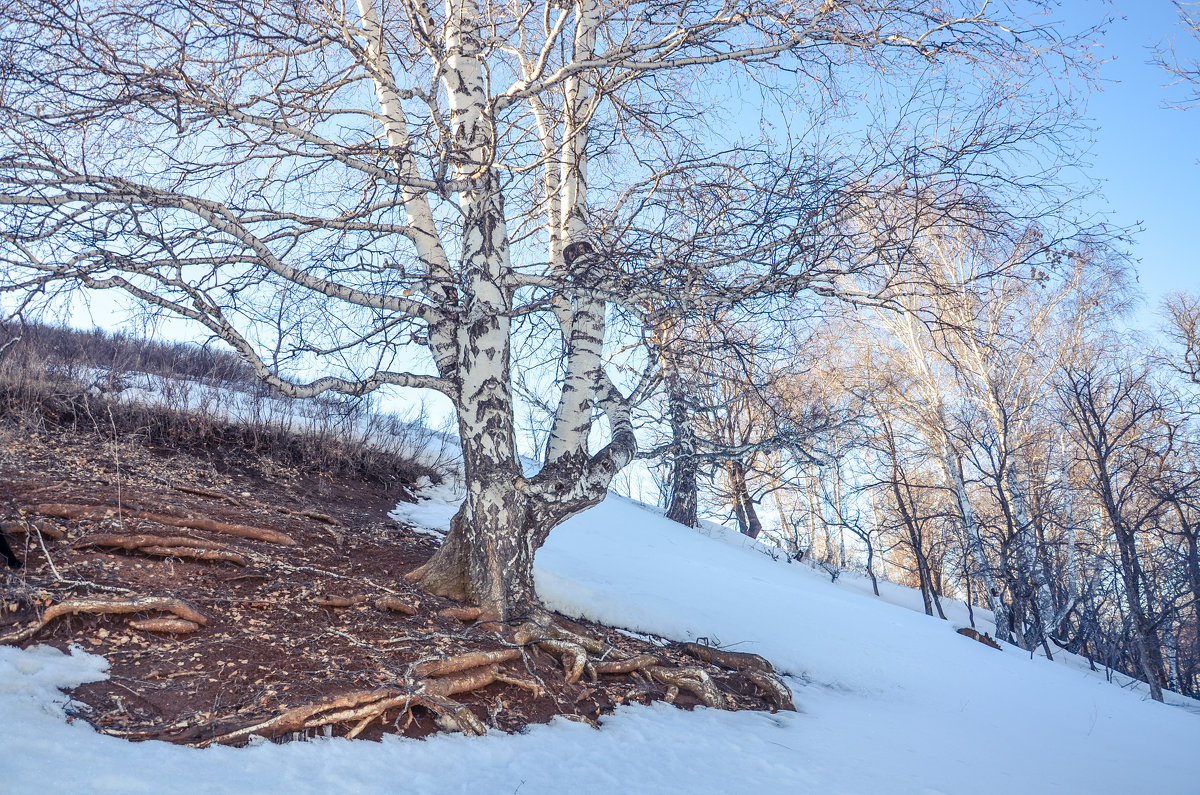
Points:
x=891, y=701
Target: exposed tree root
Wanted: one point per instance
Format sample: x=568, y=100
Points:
x=136, y=541
x=320, y=517
x=574, y=658
x=340, y=601
x=752, y=667
x=459, y=682
x=525, y=684
x=356, y=706
x=463, y=614
x=463, y=662
x=636, y=663
x=217, y=555
x=774, y=690
x=168, y=546
x=170, y=626
x=105, y=606
x=25, y=526
x=212, y=495
x=585, y=656
x=732, y=660
x=433, y=684
x=694, y=680
x=974, y=634
x=75, y=512
x=395, y=604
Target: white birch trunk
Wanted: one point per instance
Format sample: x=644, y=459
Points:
x=1074, y=582
x=1030, y=564
x=970, y=528
x=488, y=556
x=937, y=431
x=584, y=336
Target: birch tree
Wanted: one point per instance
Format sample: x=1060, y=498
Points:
x=369, y=194
x=928, y=401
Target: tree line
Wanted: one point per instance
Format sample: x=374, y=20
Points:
x=1000, y=441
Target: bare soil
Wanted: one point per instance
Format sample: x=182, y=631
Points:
x=286, y=625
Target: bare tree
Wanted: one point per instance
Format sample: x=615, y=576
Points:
x=916, y=510
x=1171, y=54
x=1179, y=481
x=1182, y=330
x=381, y=192
x=1114, y=412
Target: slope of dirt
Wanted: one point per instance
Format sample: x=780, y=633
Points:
x=100, y=522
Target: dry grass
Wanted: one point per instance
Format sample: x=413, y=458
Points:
x=53, y=377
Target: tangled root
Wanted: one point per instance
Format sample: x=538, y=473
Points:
x=430, y=684
x=773, y=688
x=755, y=669
x=694, y=680
x=583, y=656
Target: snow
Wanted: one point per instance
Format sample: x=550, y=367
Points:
x=890, y=700
x=434, y=508
x=893, y=700
x=45, y=754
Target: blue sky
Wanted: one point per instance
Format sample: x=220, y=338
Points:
x=1146, y=156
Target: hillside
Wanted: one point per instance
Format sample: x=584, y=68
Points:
x=288, y=540
x=230, y=587
x=889, y=700
x=604, y=396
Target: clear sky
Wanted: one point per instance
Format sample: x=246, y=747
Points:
x=1146, y=156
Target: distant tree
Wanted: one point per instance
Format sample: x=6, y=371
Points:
x=1179, y=485
x=1114, y=411
x=1182, y=329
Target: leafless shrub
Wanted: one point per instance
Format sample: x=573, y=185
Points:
x=178, y=395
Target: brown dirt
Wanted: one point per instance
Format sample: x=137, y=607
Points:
x=269, y=644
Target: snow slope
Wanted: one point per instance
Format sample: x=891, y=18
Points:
x=891, y=701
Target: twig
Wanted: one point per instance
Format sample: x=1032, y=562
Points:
x=116, y=466
x=49, y=560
